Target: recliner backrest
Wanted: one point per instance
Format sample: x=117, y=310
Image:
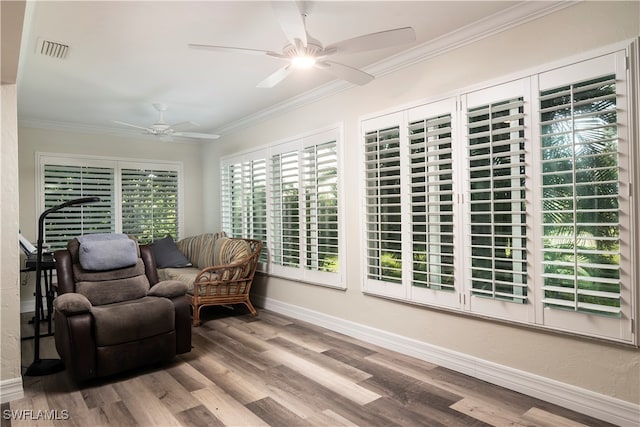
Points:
x=108, y=286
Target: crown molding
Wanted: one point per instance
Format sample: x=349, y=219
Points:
x=499, y=22
x=73, y=127
x=97, y=130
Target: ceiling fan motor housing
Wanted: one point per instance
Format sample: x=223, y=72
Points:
x=160, y=128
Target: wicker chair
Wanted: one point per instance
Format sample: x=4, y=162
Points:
x=228, y=282
x=222, y=270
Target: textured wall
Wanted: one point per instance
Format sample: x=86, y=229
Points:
x=9, y=250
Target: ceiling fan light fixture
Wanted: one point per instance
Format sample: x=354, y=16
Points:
x=303, y=61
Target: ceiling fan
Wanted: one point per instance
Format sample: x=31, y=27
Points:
x=303, y=51
x=163, y=129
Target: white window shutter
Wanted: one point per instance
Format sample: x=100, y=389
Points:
x=138, y=198
x=244, y=199
x=383, y=205
x=67, y=182
x=584, y=157
x=149, y=203
x=285, y=209
x=320, y=189
x=433, y=204
x=497, y=121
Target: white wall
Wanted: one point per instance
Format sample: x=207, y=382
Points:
x=12, y=14
x=10, y=373
x=608, y=369
x=34, y=140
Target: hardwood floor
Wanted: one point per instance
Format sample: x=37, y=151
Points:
x=275, y=371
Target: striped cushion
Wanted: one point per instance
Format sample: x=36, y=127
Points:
x=228, y=250
x=199, y=249
x=205, y=255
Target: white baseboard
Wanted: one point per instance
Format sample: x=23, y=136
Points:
x=581, y=400
x=11, y=390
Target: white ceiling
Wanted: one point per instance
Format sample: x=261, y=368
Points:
x=124, y=56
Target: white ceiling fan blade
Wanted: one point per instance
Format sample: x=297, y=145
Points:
x=232, y=49
x=184, y=125
x=345, y=72
x=196, y=135
x=130, y=125
x=291, y=21
x=276, y=77
x=373, y=41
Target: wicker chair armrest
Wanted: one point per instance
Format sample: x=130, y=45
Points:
x=252, y=257
x=218, y=269
x=239, y=271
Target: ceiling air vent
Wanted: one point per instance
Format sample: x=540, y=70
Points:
x=53, y=49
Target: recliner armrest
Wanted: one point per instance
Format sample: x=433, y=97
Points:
x=168, y=289
x=72, y=303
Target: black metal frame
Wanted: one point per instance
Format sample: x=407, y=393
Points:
x=46, y=366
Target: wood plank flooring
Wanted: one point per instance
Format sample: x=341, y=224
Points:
x=275, y=371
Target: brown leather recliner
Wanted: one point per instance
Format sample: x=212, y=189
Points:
x=118, y=319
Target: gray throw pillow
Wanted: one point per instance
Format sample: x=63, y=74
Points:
x=168, y=255
x=98, y=255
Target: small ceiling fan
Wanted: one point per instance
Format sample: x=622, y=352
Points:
x=303, y=51
x=162, y=128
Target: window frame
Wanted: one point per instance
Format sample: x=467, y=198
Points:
x=117, y=164
x=577, y=321
x=533, y=313
x=297, y=145
x=474, y=303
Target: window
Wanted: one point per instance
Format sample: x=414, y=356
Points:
x=285, y=210
x=580, y=216
x=67, y=182
x=244, y=199
x=382, y=201
x=410, y=224
x=497, y=129
x=584, y=198
x=141, y=199
x=287, y=195
x=149, y=203
x=320, y=188
x=432, y=203
x=510, y=202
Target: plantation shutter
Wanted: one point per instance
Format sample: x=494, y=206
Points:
x=526, y=216
x=255, y=199
x=496, y=201
x=431, y=193
x=67, y=182
x=584, y=170
x=244, y=199
x=320, y=189
x=383, y=219
x=580, y=196
x=149, y=203
x=232, y=198
x=285, y=209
